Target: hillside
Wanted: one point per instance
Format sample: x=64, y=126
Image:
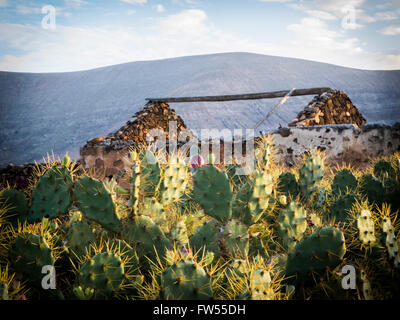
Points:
x=61, y=111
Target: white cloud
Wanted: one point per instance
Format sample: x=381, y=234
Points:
x=321, y=14
x=186, y=33
x=280, y=1
x=313, y=40
x=130, y=12
x=135, y=1
x=159, y=8
x=38, y=10
x=28, y=10
x=341, y=9
x=187, y=22
x=182, y=2
x=75, y=3
x=391, y=30
x=386, y=16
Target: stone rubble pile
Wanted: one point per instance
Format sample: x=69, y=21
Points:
x=152, y=116
x=331, y=107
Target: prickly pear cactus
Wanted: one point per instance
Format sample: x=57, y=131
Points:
x=260, y=285
x=366, y=227
x=311, y=174
x=372, y=188
x=344, y=182
x=318, y=198
x=207, y=236
x=366, y=286
x=150, y=173
x=237, y=267
x=178, y=233
x=384, y=170
x=323, y=249
x=79, y=237
x=264, y=154
x=83, y=293
x=124, y=250
x=389, y=238
x=104, y=273
x=392, y=193
x=235, y=238
x=96, y=203
x=340, y=209
x=28, y=254
x=291, y=225
x=52, y=195
x=253, y=198
x=185, y=280
x=135, y=183
x=145, y=237
x=214, y=192
x=175, y=178
x=233, y=171
x=155, y=211
x=287, y=184
x=3, y=291
x=16, y=204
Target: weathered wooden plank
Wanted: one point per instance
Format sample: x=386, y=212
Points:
x=249, y=96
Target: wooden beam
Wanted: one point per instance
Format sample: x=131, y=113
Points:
x=250, y=96
x=287, y=96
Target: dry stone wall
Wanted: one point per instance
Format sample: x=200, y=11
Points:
x=329, y=122
x=331, y=107
x=341, y=143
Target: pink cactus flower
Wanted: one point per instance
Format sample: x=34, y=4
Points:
x=197, y=161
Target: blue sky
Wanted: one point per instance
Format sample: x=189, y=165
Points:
x=88, y=34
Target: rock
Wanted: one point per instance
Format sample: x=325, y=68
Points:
x=134, y=132
x=332, y=107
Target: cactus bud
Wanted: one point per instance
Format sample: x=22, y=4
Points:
x=66, y=161
x=211, y=158
x=196, y=162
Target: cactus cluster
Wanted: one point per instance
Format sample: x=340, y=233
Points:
x=184, y=231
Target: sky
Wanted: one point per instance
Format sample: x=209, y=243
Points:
x=73, y=35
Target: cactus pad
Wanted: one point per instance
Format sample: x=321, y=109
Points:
x=214, y=192
x=287, y=184
x=185, y=281
x=344, y=181
x=96, y=203
x=52, y=195
x=292, y=223
x=28, y=254
x=104, y=273
x=16, y=204
x=79, y=237
x=323, y=249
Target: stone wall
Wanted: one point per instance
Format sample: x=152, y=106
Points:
x=331, y=107
x=341, y=143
